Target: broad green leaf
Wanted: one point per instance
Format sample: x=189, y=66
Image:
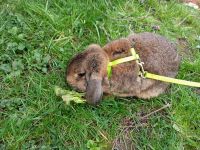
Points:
x=6, y=68
x=46, y=59
x=17, y=65
x=13, y=31
x=21, y=46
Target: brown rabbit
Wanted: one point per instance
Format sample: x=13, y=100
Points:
x=87, y=71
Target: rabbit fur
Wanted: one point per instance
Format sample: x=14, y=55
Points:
x=87, y=71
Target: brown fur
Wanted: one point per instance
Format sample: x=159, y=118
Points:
x=158, y=54
x=93, y=59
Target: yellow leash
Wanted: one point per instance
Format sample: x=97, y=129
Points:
x=146, y=74
x=171, y=80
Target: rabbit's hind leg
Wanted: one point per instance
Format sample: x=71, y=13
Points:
x=153, y=90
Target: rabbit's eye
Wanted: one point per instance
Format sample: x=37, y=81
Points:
x=119, y=52
x=80, y=75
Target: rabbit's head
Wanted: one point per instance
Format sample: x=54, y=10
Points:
x=86, y=72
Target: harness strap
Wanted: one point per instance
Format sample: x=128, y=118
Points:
x=171, y=80
x=134, y=56
x=146, y=74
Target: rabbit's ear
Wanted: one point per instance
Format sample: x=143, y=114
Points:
x=95, y=64
x=94, y=89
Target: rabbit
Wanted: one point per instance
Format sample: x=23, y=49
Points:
x=87, y=71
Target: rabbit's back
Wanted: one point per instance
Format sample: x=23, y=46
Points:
x=159, y=56
x=158, y=53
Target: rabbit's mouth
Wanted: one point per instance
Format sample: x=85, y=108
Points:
x=77, y=86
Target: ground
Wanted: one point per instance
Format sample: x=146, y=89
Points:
x=37, y=40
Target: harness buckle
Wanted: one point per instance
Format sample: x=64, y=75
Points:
x=142, y=72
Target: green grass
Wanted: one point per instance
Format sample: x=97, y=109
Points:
x=37, y=40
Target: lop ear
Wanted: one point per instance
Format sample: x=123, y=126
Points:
x=94, y=89
x=96, y=67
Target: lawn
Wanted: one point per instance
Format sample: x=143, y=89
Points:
x=37, y=40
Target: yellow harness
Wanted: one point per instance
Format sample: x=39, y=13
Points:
x=146, y=74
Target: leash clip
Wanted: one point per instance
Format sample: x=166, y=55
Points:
x=142, y=72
